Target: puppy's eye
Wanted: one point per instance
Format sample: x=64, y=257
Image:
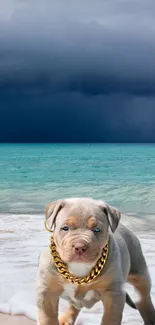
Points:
x=96, y=230
x=65, y=228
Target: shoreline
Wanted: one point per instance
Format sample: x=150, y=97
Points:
x=6, y=319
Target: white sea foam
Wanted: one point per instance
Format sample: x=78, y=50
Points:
x=22, y=237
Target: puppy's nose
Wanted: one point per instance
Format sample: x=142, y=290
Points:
x=80, y=248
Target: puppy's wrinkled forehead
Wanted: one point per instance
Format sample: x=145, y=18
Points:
x=80, y=210
x=81, y=213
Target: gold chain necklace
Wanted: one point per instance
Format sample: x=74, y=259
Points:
x=63, y=270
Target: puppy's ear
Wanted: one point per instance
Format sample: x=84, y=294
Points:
x=51, y=212
x=113, y=216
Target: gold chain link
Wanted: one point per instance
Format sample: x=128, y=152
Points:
x=62, y=267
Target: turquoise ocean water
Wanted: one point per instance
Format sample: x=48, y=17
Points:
x=33, y=175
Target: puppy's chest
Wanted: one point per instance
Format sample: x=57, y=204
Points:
x=78, y=297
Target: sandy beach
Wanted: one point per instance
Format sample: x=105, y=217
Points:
x=15, y=320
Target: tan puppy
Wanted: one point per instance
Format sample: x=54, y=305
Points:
x=82, y=229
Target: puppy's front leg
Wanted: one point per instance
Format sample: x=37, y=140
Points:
x=69, y=317
x=48, y=291
x=47, y=305
x=114, y=302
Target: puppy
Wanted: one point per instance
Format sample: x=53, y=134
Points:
x=91, y=257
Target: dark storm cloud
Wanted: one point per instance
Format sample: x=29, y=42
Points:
x=77, y=71
x=100, y=48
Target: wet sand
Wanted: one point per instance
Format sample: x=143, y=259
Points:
x=15, y=320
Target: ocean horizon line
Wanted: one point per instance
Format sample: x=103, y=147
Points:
x=75, y=143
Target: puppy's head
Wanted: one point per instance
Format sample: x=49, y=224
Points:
x=81, y=227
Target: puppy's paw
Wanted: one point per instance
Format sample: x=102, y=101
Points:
x=66, y=319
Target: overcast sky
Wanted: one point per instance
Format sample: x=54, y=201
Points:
x=77, y=71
